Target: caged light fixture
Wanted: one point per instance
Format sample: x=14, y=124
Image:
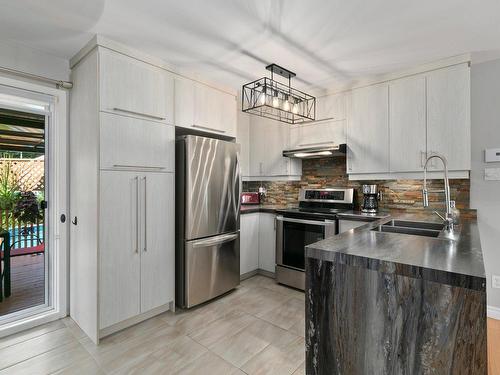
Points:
x=269, y=98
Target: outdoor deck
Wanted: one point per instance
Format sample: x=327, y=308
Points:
x=28, y=289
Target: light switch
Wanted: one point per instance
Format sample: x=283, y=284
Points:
x=492, y=155
x=492, y=174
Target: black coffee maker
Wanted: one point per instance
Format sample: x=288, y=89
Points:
x=371, y=197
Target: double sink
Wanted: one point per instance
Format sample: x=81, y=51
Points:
x=416, y=228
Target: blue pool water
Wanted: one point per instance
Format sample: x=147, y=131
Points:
x=27, y=238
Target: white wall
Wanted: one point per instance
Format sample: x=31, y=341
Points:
x=19, y=57
x=485, y=195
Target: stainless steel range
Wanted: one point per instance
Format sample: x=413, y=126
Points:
x=314, y=220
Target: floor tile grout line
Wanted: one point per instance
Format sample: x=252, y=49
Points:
x=38, y=355
x=31, y=338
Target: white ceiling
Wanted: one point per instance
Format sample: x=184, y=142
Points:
x=326, y=42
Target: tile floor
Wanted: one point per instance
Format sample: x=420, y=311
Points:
x=257, y=329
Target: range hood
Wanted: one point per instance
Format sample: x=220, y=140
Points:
x=317, y=152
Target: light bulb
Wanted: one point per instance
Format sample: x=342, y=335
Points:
x=286, y=106
x=276, y=102
x=262, y=98
x=295, y=108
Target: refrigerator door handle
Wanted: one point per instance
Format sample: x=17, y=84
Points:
x=215, y=241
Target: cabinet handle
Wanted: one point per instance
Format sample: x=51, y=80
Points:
x=117, y=109
x=208, y=128
x=74, y=221
x=260, y=168
x=137, y=166
x=136, y=214
x=145, y=216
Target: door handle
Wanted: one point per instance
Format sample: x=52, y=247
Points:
x=145, y=216
x=215, y=241
x=136, y=214
x=117, y=109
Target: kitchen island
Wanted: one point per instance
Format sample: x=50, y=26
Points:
x=392, y=303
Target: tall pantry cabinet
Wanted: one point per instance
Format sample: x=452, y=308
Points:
x=122, y=150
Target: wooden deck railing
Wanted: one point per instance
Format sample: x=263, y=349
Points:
x=22, y=234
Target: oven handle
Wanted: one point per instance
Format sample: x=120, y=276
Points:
x=311, y=222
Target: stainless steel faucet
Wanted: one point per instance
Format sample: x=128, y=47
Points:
x=448, y=218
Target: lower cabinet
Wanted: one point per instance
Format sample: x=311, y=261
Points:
x=257, y=242
x=267, y=242
x=249, y=242
x=136, y=248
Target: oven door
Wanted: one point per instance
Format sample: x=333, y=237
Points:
x=293, y=235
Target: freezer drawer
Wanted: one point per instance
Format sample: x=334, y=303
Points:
x=212, y=267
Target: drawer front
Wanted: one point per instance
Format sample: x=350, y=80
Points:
x=131, y=143
x=132, y=87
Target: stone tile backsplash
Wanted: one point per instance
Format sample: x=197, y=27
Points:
x=331, y=172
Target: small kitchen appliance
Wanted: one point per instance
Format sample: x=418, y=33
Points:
x=314, y=220
x=371, y=197
x=250, y=197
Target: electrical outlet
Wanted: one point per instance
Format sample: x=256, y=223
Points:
x=495, y=281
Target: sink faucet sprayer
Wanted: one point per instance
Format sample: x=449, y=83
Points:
x=448, y=218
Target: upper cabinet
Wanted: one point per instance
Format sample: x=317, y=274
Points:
x=317, y=134
x=131, y=87
x=393, y=127
x=407, y=124
x=368, y=130
x=448, y=116
x=267, y=140
x=331, y=107
x=204, y=108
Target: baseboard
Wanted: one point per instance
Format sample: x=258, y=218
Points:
x=248, y=275
x=257, y=272
x=134, y=320
x=266, y=273
x=493, y=312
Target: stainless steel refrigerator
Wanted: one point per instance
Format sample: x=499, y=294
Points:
x=208, y=187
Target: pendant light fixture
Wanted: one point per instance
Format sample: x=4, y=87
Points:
x=269, y=98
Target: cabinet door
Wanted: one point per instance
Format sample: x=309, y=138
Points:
x=368, y=130
x=228, y=109
x=317, y=134
x=157, y=240
x=119, y=252
x=267, y=242
x=331, y=107
x=407, y=124
x=133, y=87
x=448, y=116
x=184, y=102
x=249, y=242
x=268, y=139
x=128, y=142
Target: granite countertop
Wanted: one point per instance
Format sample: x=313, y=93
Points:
x=456, y=262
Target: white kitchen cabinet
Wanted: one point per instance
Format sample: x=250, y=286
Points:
x=243, y=139
x=122, y=203
x=331, y=107
x=407, y=119
x=128, y=142
x=135, y=88
x=317, y=134
x=448, y=116
x=268, y=139
x=137, y=244
x=158, y=248
x=249, y=242
x=120, y=267
x=368, y=130
x=267, y=242
x=204, y=108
